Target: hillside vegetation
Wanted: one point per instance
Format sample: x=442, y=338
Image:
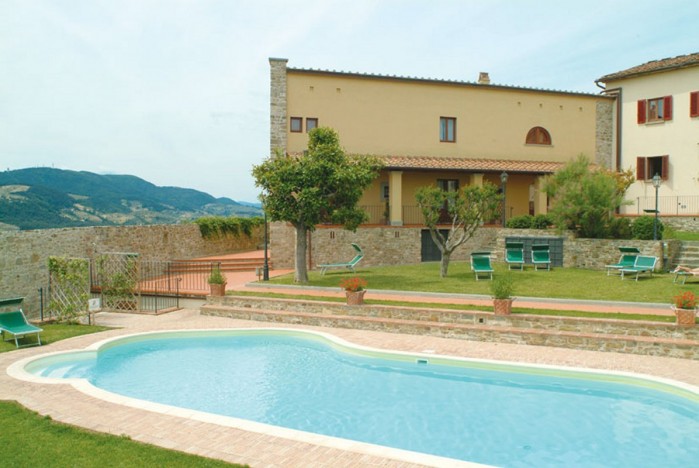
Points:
x=39, y=198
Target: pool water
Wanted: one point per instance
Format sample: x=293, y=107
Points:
x=515, y=417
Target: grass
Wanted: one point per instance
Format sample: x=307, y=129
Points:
x=28, y=439
x=435, y=305
x=53, y=332
x=561, y=283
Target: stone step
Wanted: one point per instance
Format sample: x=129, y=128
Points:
x=644, y=345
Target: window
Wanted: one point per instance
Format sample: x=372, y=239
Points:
x=384, y=191
x=647, y=167
x=311, y=123
x=448, y=185
x=694, y=104
x=538, y=136
x=447, y=129
x=296, y=124
x=654, y=110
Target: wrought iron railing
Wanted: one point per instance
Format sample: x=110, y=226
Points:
x=687, y=205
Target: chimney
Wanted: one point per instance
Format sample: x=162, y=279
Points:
x=483, y=78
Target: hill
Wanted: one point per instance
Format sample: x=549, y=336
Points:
x=39, y=198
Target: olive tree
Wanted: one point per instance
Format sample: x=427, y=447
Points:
x=322, y=185
x=468, y=208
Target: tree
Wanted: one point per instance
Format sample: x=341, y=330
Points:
x=323, y=185
x=585, y=200
x=468, y=208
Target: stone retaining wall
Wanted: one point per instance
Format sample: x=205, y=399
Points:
x=400, y=245
x=24, y=254
x=636, y=337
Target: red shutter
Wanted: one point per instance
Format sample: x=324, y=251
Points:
x=642, y=111
x=640, y=168
x=694, y=104
x=665, y=167
x=668, y=108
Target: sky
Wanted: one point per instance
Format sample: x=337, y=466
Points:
x=177, y=91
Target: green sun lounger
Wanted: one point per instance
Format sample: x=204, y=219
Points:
x=627, y=260
x=15, y=323
x=541, y=256
x=514, y=255
x=643, y=264
x=480, y=264
x=349, y=265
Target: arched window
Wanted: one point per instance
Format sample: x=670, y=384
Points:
x=538, y=136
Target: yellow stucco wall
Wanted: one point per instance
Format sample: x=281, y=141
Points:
x=401, y=117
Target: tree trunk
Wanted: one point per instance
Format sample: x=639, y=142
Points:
x=300, y=266
x=444, y=264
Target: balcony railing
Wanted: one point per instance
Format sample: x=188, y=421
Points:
x=687, y=205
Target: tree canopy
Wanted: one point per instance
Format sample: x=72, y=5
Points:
x=467, y=209
x=323, y=185
x=584, y=200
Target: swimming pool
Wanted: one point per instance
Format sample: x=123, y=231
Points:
x=501, y=414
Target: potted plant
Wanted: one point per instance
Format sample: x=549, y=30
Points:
x=502, y=288
x=685, y=307
x=355, y=288
x=217, y=282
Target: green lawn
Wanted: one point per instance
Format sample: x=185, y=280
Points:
x=53, y=332
x=565, y=283
x=28, y=439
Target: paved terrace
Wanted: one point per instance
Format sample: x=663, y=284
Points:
x=243, y=444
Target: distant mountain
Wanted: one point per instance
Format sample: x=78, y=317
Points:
x=38, y=198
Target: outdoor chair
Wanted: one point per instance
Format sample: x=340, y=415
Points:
x=684, y=275
x=541, y=256
x=480, y=264
x=349, y=265
x=627, y=259
x=514, y=255
x=643, y=264
x=15, y=323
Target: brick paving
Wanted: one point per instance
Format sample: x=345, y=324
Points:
x=242, y=442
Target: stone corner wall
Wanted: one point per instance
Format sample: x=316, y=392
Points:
x=277, y=100
x=24, y=254
x=604, y=133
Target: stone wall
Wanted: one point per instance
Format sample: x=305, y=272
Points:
x=382, y=245
x=604, y=130
x=277, y=100
x=681, y=223
x=24, y=254
x=397, y=245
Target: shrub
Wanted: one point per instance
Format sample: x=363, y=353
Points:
x=502, y=287
x=542, y=221
x=642, y=228
x=216, y=276
x=520, y=222
x=620, y=228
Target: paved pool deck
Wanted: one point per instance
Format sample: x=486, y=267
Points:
x=245, y=443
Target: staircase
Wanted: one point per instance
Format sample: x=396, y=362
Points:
x=689, y=254
x=635, y=337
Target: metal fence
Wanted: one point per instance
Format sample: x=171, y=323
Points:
x=683, y=205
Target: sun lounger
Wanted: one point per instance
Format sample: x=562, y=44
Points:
x=684, y=275
x=643, y=264
x=514, y=255
x=480, y=264
x=349, y=265
x=627, y=259
x=541, y=256
x=15, y=323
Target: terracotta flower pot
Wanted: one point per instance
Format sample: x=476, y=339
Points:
x=218, y=289
x=502, y=306
x=355, y=297
x=685, y=317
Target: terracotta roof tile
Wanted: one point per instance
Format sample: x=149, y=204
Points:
x=655, y=66
x=482, y=165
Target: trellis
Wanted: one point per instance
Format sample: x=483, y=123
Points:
x=69, y=287
x=118, y=276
